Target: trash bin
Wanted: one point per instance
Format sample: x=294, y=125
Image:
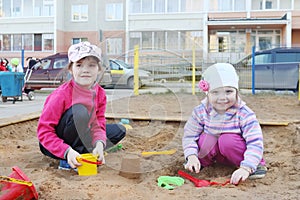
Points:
x=11, y=84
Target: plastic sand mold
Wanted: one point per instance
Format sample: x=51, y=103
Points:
x=167, y=182
x=114, y=148
x=199, y=182
x=167, y=152
x=89, y=164
x=17, y=186
x=127, y=126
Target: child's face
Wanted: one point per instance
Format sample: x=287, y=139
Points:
x=222, y=98
x=85, y=71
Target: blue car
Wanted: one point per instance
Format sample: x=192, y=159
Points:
x=276, y=69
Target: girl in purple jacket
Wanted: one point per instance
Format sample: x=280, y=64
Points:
x=73, y=121
x=223, y=129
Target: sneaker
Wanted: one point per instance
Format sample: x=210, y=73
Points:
x=259, y=173
x=63, y=165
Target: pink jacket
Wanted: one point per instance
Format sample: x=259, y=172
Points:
x=62, y=99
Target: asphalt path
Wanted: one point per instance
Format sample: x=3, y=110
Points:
x=24, y=106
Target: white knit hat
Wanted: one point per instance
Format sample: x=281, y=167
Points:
x=219, y=75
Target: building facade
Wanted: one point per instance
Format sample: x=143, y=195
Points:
x=218, y=30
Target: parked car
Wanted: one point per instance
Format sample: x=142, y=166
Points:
x=276, y=68
x=123, y=74
x=50, y=72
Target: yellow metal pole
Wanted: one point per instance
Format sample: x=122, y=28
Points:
x=136, y=70
x=193, y=70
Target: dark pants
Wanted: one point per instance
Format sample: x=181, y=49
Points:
x=73, y=129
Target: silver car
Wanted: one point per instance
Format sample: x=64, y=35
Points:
x=123, y=74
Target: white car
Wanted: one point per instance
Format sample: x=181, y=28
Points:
x=123, y=74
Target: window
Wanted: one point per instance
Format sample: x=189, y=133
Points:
x=227, y=5
x=172, y=40
x=114, y=46
x=28, y=8
x=162, y=6
x=6, y=5
x=60, y=63
x=227, y=41
x=285, y=4
x=146, y=6
x=224, y=5
x=135, y=6
x=46, y=63
x=114, y=11
x=269, y=4
x=38, y=8
x=263, y=59
x=159, y=6
x=16, y=9
x=264, y=4
x=173, y=6
x=297, y=4
x=28, y=41
x=48, y=42
x=193, y=5
x=147, y=40
x=191, y=39
x=37, y=42
x=79, y=13
x=287, y=57
x=114, y=66
x=135, y=39
x=265, y=39
x=48, y=8
x=43, y=8
x=159, y=40
x=17, y=42
x=77, y=40
x=6, y=42
x=239, y=5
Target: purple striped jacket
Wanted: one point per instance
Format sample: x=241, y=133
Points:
x=238, y=119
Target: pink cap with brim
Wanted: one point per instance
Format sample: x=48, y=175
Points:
x=82, y=50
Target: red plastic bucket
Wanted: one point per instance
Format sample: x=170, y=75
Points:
x=14, y=190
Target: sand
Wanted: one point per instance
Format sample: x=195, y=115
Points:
x=157, y=122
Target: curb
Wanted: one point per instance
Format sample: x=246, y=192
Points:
x=19, y=118
x=31, y=116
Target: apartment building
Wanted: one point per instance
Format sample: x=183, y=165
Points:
x=218, y=30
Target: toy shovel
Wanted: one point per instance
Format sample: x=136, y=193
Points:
x=199, y=182
x=13, y=180
x=167, y=152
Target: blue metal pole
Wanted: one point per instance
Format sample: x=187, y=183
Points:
x=253, y=70
x=22, y=57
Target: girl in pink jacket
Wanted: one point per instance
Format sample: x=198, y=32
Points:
x=73, y=121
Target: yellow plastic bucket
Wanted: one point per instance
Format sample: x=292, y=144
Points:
x=89, y=164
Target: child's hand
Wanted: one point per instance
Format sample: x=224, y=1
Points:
x=193, y=164
x=238, y=175
x=98, y=150
x=71, y=157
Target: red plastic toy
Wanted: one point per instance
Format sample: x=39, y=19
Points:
x=199, y=182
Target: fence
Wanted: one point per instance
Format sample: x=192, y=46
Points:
x=170, y=66
x=167, y=66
